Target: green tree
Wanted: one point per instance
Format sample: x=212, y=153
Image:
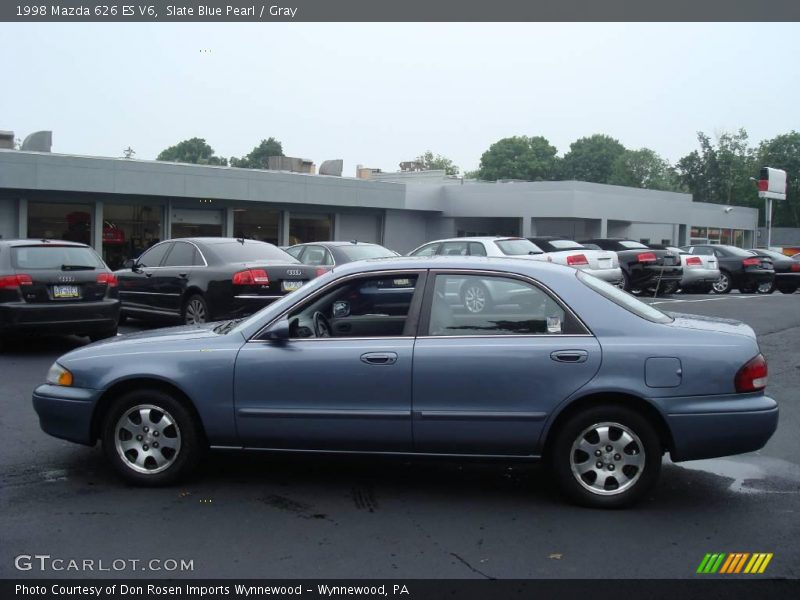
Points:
x=258, y=158
x=643, y=168
x=783, y=152
x=194, y=150
x=437, y=162
x=591, y=158
x=519, y=157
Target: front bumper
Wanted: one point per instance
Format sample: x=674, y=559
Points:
x=73, y=317
x=66, y=412
x=713, y=426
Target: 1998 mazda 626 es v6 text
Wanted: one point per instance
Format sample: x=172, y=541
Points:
x=377, y=357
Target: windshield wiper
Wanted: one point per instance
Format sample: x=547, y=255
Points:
x=77, y=268
x=226, y=326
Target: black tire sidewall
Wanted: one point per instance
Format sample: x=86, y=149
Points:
x=188, y=455
x=559, y=455
x=786, y=289
x=730, y=284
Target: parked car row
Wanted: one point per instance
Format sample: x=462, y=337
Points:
x=65, y=287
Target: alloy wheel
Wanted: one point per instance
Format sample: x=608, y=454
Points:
x=607, y=458
x=196, y=312
x=475, y=299
x=147, y=439
x=721, y=284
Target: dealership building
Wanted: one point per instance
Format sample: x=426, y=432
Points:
x=121, y=206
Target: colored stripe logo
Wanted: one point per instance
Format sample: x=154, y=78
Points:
x=735, y=562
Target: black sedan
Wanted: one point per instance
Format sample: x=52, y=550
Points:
x=738, y=268
x=787, y=272
x=644, y=269
x=329, y=254
x=56, y=287
x=208, y=279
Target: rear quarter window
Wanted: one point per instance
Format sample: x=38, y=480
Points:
x=623, y=299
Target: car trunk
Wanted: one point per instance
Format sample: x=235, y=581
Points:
x=282, y=278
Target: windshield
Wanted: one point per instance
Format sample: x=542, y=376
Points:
x=235, y=252
x=55, y=257
x=624, y=299
x=365, y=251
x=518, y=247
x=566, y=245
x=632, y=245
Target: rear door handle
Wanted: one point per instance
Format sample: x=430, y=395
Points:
x=379, y=358
x=570, y=356
x=182, y=275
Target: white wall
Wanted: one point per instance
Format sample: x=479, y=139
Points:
x=403, y=231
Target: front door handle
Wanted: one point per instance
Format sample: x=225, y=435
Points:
x=182, y=275
x=146, y=274
x=570, y=356
x=379, y=358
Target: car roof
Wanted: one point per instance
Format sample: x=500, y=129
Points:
x=41, y=242
x=337, y=243
x=532, y=268
x=477, y=238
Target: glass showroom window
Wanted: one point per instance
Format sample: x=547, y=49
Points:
x=309, y=228
x=699, y=235
x=256, y=224
x=129, y=230
x=57, y=221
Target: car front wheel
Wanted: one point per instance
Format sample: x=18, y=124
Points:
x=723, y=284
x=150, y=438
x=195, y=311
x=606, y=457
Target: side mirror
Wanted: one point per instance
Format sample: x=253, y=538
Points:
x=278, y=331
x=341, y=309
x=129, y=264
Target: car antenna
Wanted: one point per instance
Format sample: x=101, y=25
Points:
x=240, y=240
x=353, y=241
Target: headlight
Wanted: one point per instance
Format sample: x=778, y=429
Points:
x=58, y=375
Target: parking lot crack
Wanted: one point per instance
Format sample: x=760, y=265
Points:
x=470, y=567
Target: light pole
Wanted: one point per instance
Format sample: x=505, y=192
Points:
x=767, y=215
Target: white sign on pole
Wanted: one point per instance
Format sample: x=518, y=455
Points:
x=772, y=184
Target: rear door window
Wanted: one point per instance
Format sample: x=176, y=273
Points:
x=182, y=255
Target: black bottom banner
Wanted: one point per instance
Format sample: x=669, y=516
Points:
x=410, y=589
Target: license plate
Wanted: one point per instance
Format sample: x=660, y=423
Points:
x=66, y=291
x=290, y=286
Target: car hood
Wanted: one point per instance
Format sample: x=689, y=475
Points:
x=716, y=324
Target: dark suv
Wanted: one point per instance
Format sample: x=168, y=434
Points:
x=56, y=287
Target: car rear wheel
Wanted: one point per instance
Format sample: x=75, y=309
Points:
x=150, y=438
x=766, y=288
x=606, y=457
x=476, y=298
x=723, y=284
x=195, y=310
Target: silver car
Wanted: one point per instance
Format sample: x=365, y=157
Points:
x=603, y=264
x=700, y=272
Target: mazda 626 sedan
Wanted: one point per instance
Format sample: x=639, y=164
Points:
x=383, y=357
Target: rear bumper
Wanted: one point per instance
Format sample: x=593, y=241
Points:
x=74, y=317
x=757, y=277
x=712, y=426
x=610, y=275
x=698, y=276
x=66, y=412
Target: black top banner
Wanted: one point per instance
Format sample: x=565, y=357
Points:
x=32, y=11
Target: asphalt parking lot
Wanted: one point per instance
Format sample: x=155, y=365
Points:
x=266, y=516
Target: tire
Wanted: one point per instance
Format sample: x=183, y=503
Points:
x=766, y=288
x=748, y=288
x=576, y=471
x=476, y=298
x=628, y=287
x=142, y=463
x=724, y=284
x=783, y=289
x=103, y=335
x=704, y=288
x=123, y=318
x=195, y=310
x=670, y=287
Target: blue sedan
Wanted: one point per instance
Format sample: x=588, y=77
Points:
x=379, y=357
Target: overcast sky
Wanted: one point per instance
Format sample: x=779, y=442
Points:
x=377, y=94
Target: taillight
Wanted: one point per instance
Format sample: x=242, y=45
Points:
x=796, y=267
x=694, y=261
x=751, y=262
x=108, y=279
x=577, y=259
x=321, y=271
x=11, y=282
x=645, y=257
x=251, y=277
x=752, y=377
